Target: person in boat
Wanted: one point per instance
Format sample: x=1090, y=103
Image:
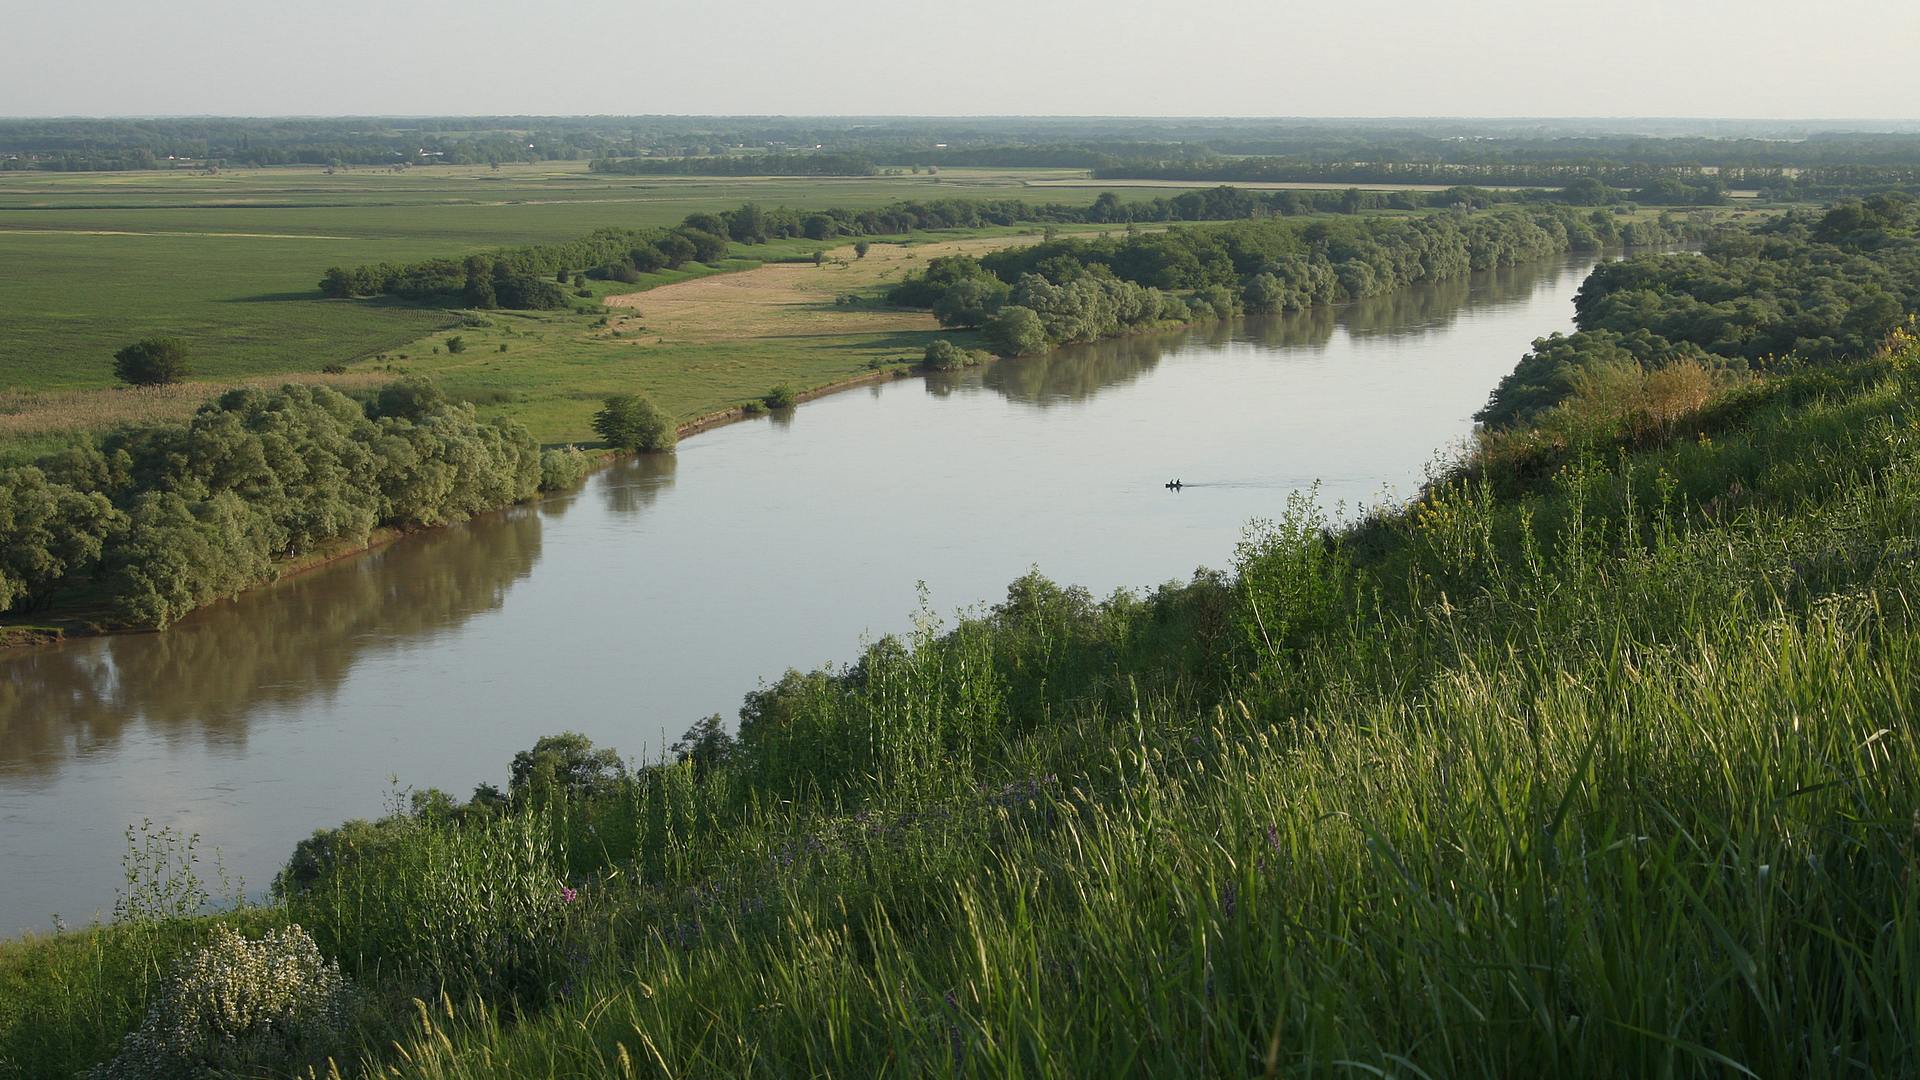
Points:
x=1174, y=485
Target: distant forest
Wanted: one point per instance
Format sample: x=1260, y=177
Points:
x=1623, y=153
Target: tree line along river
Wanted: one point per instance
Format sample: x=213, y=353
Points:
x=670, y=585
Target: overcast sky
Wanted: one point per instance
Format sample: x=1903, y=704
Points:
x=1719, y=58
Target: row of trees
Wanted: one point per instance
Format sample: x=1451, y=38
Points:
x=822, y=164
x=1660, y=185
x=164, y=518
x=73, y=144
x=520, y=277
x=721, y=143
x=1804, y=288
x=1026, y=299
x=528, y=277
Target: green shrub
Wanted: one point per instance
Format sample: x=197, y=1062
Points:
x=780, y=397
x=563, y=468
x=456, y=344
x=944, y=355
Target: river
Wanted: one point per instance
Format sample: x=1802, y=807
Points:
x=668, y=587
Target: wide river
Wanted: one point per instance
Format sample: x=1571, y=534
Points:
x=668, y=587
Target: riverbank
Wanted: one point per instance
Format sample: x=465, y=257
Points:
x=712, y=312
x=1152, y=795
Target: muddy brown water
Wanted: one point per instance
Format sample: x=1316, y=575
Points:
x=668, y=587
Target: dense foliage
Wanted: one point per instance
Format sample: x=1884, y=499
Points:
x=162, y=519
x=523, y=277
x=1805, y=288
x=1082, y=290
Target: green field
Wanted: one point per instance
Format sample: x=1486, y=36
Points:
x=230, y=262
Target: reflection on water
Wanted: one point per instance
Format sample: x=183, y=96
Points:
x=208, y=675
x=669, y=584
x=1079, y=372
x=641, y=480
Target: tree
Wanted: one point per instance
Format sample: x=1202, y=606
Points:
x=676, y=250
x=48, y=531
x=631, y=422
x=566, y=763
x=705, y=744
x=1263, y=294
x=970, y=301
x=154, y=361
x=860, y=249
x=456, y=344
x=646, y=258
x=336, y=284
x=707, y=247
x=748, y=225
x=1016, y=331
x=410, y=398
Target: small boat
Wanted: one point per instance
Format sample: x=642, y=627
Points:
x=1174, y=485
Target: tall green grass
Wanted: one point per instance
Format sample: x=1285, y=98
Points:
x=1599, y=760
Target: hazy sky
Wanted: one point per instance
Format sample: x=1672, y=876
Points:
x=1731, y=58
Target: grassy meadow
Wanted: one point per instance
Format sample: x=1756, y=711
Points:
x=230, y=262
x=699, y=344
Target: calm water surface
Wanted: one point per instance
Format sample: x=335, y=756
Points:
x=667, y=588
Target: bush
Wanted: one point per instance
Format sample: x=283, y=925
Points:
x=238, y=1004
x=631, y=422
x=944, y=355
x=562, y=469
x=780, y=397
x=154, y=361
x=456, y=344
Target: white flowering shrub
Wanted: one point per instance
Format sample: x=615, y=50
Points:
x=235, y=1003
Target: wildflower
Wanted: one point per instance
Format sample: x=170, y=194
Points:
x=568, y=894
x=236, y=1003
